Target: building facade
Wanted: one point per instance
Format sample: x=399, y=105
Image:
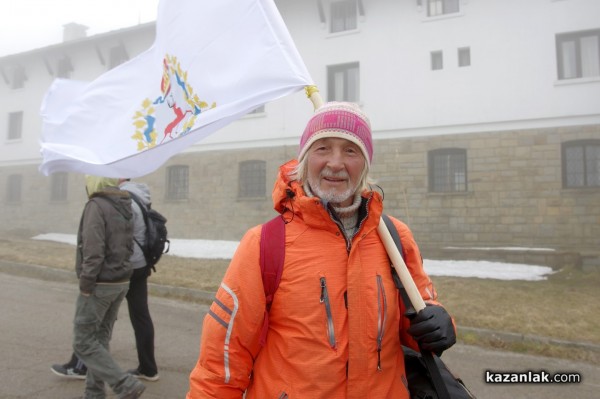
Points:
x=485, y=116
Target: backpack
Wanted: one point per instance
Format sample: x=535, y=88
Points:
x=156, y=234
x=272, y=255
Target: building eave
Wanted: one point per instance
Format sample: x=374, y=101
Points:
x=117, y=33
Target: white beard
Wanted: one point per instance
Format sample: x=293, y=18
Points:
x=331, y=195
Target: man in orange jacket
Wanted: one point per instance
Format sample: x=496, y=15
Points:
x=336, y=324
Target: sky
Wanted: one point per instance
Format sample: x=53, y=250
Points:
x=215, y=249
x=29, y=24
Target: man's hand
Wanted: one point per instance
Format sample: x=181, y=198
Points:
x=433, y=329
x=85, y=293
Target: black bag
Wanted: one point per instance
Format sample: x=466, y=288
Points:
x=427, y=376
x=420, y=382
x=157, y=242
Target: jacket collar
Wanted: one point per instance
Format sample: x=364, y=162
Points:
x=290, y=200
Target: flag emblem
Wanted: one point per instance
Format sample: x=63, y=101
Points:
x=171, y=114
x=211, y=63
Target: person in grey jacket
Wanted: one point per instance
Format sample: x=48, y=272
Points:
x=137, y=298
x=104, y=247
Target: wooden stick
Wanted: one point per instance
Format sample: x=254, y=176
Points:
x=312, y=92
x=407, y=281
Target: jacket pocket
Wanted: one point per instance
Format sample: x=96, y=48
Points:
x=325, y=302
x=381, y=317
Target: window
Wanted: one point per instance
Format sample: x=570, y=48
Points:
x=13, y=189
x=448, y=170
x=259, y=110
x=15, y=125
x=64, y=67
x=343, y=82
x=59, y=186
x=117, y=56
x=252, y=179
x=437, y=60
x=441, y=7
x=19, y=78
x=321, y=11
x=343, y=16
x=578, y=54
x=464, y=56
x=581, y=163
x=177, y=182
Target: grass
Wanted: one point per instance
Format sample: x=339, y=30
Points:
x=565, y=307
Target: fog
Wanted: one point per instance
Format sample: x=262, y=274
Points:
x=32, y=24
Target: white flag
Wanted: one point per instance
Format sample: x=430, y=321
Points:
x=211, y=63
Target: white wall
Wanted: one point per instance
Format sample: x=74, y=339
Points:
x=511, y=83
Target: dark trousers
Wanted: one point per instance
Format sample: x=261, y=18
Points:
x=137, y=302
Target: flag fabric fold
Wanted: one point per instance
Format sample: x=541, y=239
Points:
x=211, y=63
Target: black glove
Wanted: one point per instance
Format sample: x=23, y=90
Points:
x=433, y=329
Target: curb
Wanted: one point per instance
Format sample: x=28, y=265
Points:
x=194, y=295
x=516, y=337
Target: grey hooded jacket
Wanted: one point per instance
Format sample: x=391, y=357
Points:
x=139, y=226
x=105, y=239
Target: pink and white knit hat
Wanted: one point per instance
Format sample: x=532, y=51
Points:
x=338, y=119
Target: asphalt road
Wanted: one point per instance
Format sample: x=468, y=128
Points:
x=36, y=331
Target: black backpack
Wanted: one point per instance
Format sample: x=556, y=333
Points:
x=157, y=242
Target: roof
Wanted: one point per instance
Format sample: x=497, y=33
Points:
x=83, y=40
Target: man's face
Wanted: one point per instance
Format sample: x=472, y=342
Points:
x=334, y=169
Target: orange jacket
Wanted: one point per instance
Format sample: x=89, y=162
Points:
x=334, y=322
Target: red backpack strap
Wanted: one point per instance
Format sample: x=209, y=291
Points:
x=272, y=255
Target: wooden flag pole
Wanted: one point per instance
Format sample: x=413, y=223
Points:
x=407, y=281
x=312, y=92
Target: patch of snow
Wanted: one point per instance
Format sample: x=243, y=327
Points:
x=217, y=249
x=485, y=269
x=505, y=249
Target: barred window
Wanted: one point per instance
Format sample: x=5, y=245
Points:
x=252, y=179
x=177, y=182
x=448, y=170
x=13, y=188
x=581, y=163
x=59, y=186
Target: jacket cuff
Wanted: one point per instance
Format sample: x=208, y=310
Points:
x=86, y=286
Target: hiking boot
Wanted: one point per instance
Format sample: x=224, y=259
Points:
x=141, y=376
x=68, y=371
x=134, y=392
